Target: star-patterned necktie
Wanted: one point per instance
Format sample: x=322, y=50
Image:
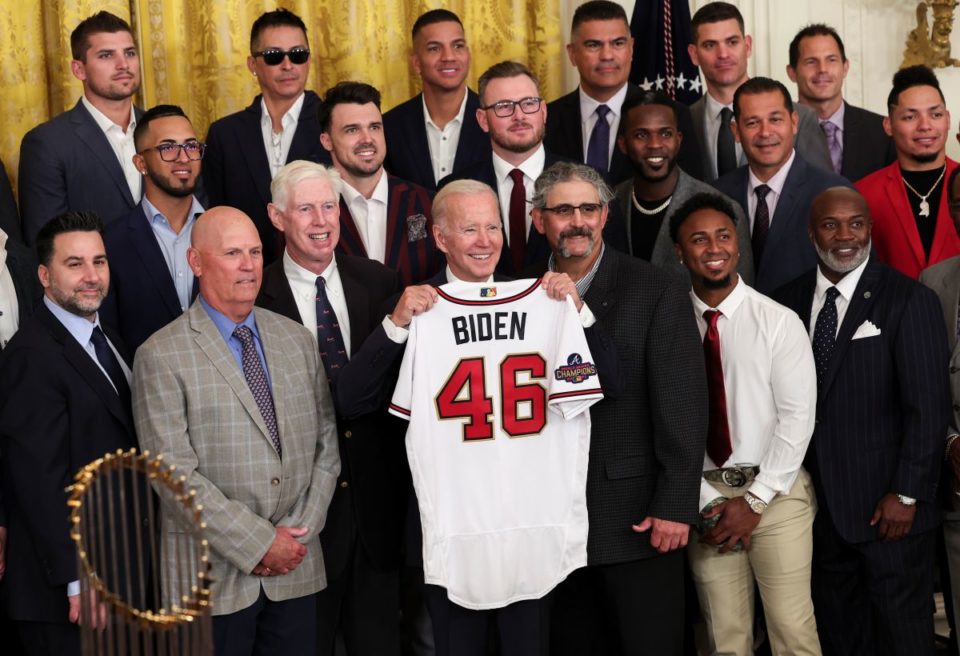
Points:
x=718, y=435
x=257, y=382
x=825, y=334
x=333, y=352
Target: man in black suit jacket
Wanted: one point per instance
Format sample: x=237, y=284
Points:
x=81, y=159
x=766, y=125
x=382, y=217
x=434, y=134
x=247, y=148
x=60, y=410
x=602, y=49
x=361, y=539
x=647, y=441
x=883, y=407
x=9, y=214
x=152, y=281
x=855, y=138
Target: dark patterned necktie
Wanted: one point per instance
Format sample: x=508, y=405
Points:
x=257, y=382
x=110, y=363
x=825, y=334
x=718, y=435
x=761, y=223
x=598, y=148
x=518, y=220
x=726, y=149
x=333, y=353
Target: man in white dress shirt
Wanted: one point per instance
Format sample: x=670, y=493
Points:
x=757, y=502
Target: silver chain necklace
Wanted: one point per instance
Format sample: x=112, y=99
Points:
x=656, y=210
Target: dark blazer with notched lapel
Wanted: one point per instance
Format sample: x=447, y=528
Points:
x=647, y=442
x=866, y=147
x=58, y=412
x=142, y=297
x=67, y=164
x=22, y=265
x=411, y=250
x=565, y=136
x=883, y=405
x=788, y=251
x=372, y=457
x=236, y=171
x=408, y=153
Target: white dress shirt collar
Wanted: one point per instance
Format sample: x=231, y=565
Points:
x=105, y=122
x=277, y=147
x=847, y=285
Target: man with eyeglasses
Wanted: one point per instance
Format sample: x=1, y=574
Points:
x=81, y=159
x=152, y=282
x=647, y=440
x=583, y=123
x=514, y=115
x=248, y=148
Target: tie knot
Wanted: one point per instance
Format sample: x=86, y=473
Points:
x=832, y=294
x=829, y=128
x=517, y=176
x=244, y=334
x=711, y=317
x=321, y=284
x=761, y=191
x=726, y=114
x=97, y=335
x=602, y=111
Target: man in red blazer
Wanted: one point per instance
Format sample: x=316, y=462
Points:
x=911, y=226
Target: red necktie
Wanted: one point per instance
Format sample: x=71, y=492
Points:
x=718, y=434
x=518, y=220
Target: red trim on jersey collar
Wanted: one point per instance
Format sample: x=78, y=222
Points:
x=492, y=301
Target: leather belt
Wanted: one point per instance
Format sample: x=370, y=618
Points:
x=733, y=476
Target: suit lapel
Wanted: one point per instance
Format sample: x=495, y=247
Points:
x=944, y=235
x=569, y=125
x=307, y=134
x=602, y=295
x=145, y=244
x=471, y=136
x=251, y=145
x=273, y=353
x=897, y=197
x=277, y=293
x=350, y=241
x=92, y=136
x=357, y=297
x=212, y=345
x=781, y=225
x=417, y=144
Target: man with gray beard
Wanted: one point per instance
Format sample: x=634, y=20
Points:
x=883, y=407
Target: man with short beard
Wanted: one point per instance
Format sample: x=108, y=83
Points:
x=152, y=282
x=883, y=407
x=514, y=115
x=382, y=216
x=756, y=500
x=650, y=138
x=81, y=159
x=65, y=402
x=912, y=225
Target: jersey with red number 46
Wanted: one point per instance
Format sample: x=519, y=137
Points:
x=496, y=380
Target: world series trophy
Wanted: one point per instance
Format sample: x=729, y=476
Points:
x=931, y=47
x=141, y=591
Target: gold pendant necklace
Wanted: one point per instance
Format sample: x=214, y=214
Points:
x=924, y=205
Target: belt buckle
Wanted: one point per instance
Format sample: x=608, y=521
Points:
x=733, y=477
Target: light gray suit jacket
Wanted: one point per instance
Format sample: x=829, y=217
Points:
x=944, y=279
x=192, y=405
x=809, y=142
x=664, y=255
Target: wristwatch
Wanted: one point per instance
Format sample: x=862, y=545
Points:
x=756, y=504
x=907, y=501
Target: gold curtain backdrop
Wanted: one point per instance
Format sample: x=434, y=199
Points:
x=193, y=52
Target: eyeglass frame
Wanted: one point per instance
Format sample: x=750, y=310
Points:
x=513, y=104
x=568, y=209
x=180, y=147
x=284, y=54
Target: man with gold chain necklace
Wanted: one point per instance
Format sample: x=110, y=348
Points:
x=911, y=225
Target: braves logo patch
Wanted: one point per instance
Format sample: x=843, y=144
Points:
x=576, y=370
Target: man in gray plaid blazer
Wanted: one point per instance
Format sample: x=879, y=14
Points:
x=237, y=400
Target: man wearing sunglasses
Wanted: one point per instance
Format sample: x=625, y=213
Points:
x=152, y=282
x=514, y=115
x=246, y=149
x=80, y=160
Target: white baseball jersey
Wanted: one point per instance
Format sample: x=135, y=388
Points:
x=496, y=380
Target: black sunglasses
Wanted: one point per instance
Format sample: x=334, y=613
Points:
x=274, y=56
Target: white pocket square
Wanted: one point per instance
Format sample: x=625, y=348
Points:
x=866, y=329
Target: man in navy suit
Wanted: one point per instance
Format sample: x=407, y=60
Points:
x=66, y=402
x=855, y=138
x=152, y=282
x=601, y=48
x=883, y=407
x=382, y=216
x=82, y=159
x=776, y=186
x=247, y=148
x=433, y=134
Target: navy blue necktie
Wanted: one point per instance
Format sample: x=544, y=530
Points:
x=333, y=352
x=825, y=334
x=110, y=364
x=257, y=382
x=598, y=148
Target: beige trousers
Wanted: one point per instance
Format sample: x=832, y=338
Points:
x=781, y=549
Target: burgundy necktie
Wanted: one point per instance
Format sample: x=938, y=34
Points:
x=761, y=223
x=518, y=220
x=718, y=434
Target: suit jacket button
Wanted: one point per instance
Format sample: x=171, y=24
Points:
x=348, y=433
x=344, y=484
x=275, y=481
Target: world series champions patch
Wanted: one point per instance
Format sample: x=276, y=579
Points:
x=576, y=370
